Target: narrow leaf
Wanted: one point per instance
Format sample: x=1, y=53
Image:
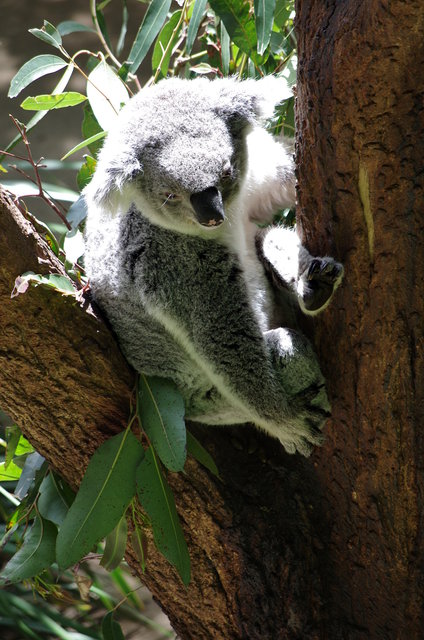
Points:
x=264, y=17
x=161, y=413
x=86, y=172
x=165, y=43
x=106, y=93
x=33, y=464
x=77, y=212
x=115, y=545
x=48, y=33
x=70, y=26
x=236, y=16
x=111, y=630
x=124, y=27
x=199, y=452
x=196, y=19
x=49, y=101
x=156, y=498
x=13, y=434
x=51, y=280
x=105, y=492
x=153, y=20
x=85, y=143
x=11, y=473
x=139, y=545
x=225, y=49
x=34, y=69
x=54, y=501
x=36, y=554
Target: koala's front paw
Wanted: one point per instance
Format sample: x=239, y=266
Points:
x=304, y=387
x=318, y=283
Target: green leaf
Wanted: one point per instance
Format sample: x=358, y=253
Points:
x=116, y=543
x=264, y=17
x=225, y=49
x=111, y=630
x=77, y=212
x=85, y=143
x=153, y=20
x=55, y=499
x=106, y=490
x=165, y=43
x=106, y=93
x=11, y=474
x=139, y=545
x=236, y=16
x=34, y=69
x=36, y=554
x=48, y=33
x=70, y=26
x=124, y=27
x=51, y=280
x=48, y=101
x=156, y=498
x=283, y=10
x=35, y=466
x=91, y=127
x=196, y=19
x=161, y=413
x=199, y=452
x=13, y=435
x=86, y=172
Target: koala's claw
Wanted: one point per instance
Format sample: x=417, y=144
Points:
x=326, y=269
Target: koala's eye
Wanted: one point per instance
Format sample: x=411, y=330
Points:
x=170, y=198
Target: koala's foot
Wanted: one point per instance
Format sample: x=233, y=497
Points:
x=318, y=283
x=304, y=387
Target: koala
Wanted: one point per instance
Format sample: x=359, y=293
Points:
x=197, y=289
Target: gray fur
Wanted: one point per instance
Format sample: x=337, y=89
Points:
x=180, y=269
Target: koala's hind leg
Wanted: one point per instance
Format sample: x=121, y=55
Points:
x=291, y=267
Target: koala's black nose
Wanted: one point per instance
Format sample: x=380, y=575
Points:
x=208, y=207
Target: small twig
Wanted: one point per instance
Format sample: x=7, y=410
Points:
x=44, y=195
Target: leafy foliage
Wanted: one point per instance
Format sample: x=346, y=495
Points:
x=215, y=38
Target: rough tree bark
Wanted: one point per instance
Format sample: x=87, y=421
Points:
x=360, y=116
x=282, y=547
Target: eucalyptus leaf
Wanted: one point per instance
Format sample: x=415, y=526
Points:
x=36, y=554
x=153, y=20
x=13, y=434
x=11, y=473
x=106, y=490
x=111, y=630
x=124, y=28
x=48, y=34
x=225, y=49
x=139, y=545
x=70, y=26
x=52, y=280
x=115, y=544
x=106, y=93
x=32, y=70
x=46, y=102
x=264, y=18
x=236, y=16
x=91, y=127
x=165, y=43
x=156, y=498
x=77, y=212
x=193, y=27
x=55, y=500
x=161, y=413
x=85, y=143
x=86, y=172
x=34, y=462
x=198, y=452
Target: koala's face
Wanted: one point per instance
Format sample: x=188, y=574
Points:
x=178, y=151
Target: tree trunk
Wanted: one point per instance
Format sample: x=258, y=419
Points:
x=282, y=547
x=360, y=116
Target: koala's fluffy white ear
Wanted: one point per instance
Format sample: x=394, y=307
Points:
x=269, y=92
x=247, y=100
x=113, y=174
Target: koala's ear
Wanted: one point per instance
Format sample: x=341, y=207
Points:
x=248, y=100
x=113, y=174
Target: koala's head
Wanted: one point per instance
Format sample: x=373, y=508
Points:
x=178, y=149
